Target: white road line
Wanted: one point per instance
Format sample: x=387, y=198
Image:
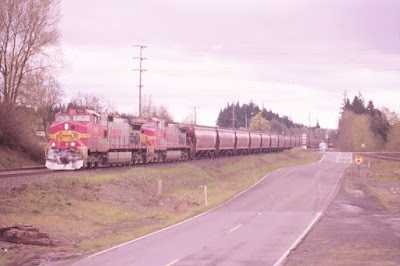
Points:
x=298, y=239
x=310, y=226
x=337, y=182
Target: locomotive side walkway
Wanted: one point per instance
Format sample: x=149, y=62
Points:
x=257, y=227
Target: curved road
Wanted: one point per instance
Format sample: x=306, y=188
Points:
x=258, y=227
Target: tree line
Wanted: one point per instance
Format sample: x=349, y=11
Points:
x=253, y=117
x=362, y=127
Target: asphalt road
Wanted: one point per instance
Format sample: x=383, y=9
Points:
x=257, y=227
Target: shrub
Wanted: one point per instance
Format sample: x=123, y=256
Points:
x=17, y=127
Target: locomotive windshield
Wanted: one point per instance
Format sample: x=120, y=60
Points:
x=62, y=118
x=82, y=118
x=150, y=124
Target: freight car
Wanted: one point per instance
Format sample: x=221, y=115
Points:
x=84, y=138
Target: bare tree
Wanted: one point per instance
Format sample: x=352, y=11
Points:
x=149, y=109
x=28, y=35
x=43, y=93
x=354, y=130
x=393, y=142
x=391, y=116
x=92, y=101
x=189, y=119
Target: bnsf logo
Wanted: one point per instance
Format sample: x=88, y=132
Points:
x=145, y=138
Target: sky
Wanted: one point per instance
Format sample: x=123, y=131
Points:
x=294, y=57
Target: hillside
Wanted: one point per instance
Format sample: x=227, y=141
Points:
x=10, y=158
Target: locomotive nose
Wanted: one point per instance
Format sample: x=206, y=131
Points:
x=64, y=160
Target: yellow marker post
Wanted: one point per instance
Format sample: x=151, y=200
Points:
x=359, y=161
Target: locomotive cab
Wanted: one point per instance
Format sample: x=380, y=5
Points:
x=73, y=134
x=163, y=141
x=152, y=139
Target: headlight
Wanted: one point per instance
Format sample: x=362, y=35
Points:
x=72, y=144
x=66, y=126
x=53, y=144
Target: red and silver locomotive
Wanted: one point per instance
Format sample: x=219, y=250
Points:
x=84, y=138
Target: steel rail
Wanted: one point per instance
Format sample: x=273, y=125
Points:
x=26, y=173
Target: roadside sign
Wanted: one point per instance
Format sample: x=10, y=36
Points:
x=362, y=145
x=358, y=160
x=40, y=133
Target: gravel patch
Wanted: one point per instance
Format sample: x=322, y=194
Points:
x=357, y=229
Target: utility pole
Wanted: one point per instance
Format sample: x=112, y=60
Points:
x=140, y=69
x=309, y=127
x=195, y=115
x=233, y=115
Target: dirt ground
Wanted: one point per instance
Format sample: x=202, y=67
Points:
x=362, y=225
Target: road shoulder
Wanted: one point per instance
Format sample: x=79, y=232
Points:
x=361, y=226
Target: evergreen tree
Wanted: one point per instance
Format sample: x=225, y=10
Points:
x=358, y=105
x=371, y=108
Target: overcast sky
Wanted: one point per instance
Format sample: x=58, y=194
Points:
x=294, y=57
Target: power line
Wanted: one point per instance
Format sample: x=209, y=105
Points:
x=140, y=69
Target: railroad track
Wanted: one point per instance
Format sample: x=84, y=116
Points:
x=388, y=156
x=25, y=171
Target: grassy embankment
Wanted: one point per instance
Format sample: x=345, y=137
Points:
x=90, y=213
x=381, y=179
x=10, y=158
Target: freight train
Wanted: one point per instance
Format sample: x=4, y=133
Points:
x=82, y=138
